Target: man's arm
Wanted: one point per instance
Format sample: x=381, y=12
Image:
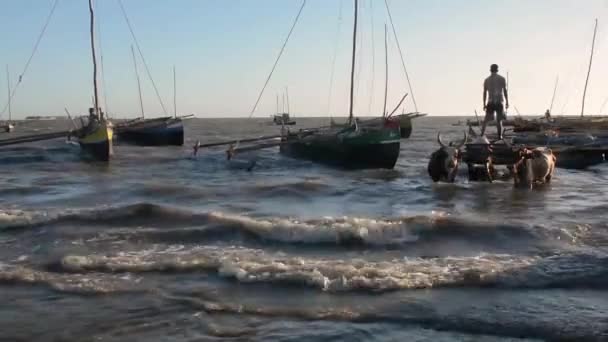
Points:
x=506, y=95
x=485, y=91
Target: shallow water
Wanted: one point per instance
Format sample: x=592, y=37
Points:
x=161, y=246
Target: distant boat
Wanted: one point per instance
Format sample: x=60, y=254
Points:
x=283, y=119
x=358, y=146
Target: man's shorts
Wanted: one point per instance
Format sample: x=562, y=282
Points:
x=495, y=107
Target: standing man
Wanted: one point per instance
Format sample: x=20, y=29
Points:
x=493, y=89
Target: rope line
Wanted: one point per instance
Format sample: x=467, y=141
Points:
x=407, y=76
x=27, y=65
x=278, y=57
x=160, y=100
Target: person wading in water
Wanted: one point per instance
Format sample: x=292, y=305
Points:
x=493, y=89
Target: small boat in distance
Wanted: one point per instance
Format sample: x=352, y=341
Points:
x=283, y=119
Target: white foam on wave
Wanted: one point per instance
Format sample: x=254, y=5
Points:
x=253, y=265
x=327, y=230
x=73, y=283
x=18, y=218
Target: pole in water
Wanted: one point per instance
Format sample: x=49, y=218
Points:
x=141, y=102
x=174, y=94
x=589, y=70
x=352, y=68
x=385, y=69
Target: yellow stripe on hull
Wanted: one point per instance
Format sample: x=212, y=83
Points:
x=99, y=142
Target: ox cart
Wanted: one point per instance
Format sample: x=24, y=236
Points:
x=481, y=159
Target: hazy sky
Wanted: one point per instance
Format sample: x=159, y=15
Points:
x=224, y=49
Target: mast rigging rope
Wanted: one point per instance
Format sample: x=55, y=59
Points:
x=278, y=57
x=124, y=12
x=333, y=63
x=27, y=64
x=407, y=76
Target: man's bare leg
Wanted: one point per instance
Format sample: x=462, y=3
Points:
x=499, y=128
x=483, y=126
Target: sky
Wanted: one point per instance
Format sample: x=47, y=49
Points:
x=223, y=51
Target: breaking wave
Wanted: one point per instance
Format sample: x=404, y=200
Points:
x=165, y=222
x=336, y=275
x=78, y=284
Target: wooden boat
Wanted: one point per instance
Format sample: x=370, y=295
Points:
x=405, y=123
x=7, y=127
x=152, y=132
x=358, y=146
x=351, y=147
x=283, y=119
x=96, y=137
x=563, y=124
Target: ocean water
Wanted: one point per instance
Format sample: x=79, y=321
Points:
x=160, y=246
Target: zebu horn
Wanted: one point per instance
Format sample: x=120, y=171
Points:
x=464, y=141
x=439, y=140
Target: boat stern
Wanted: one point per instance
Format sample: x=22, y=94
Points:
x=97, y=142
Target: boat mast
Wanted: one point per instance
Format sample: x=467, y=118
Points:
x=589, y=70
x=352, y=68
x=385, y=69
x=554, y=92
x=141, y=102
x=8, y=88
x=96, y=100
x=174, y=95
x=287, y=92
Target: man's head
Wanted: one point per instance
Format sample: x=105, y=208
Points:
x=494, y=68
